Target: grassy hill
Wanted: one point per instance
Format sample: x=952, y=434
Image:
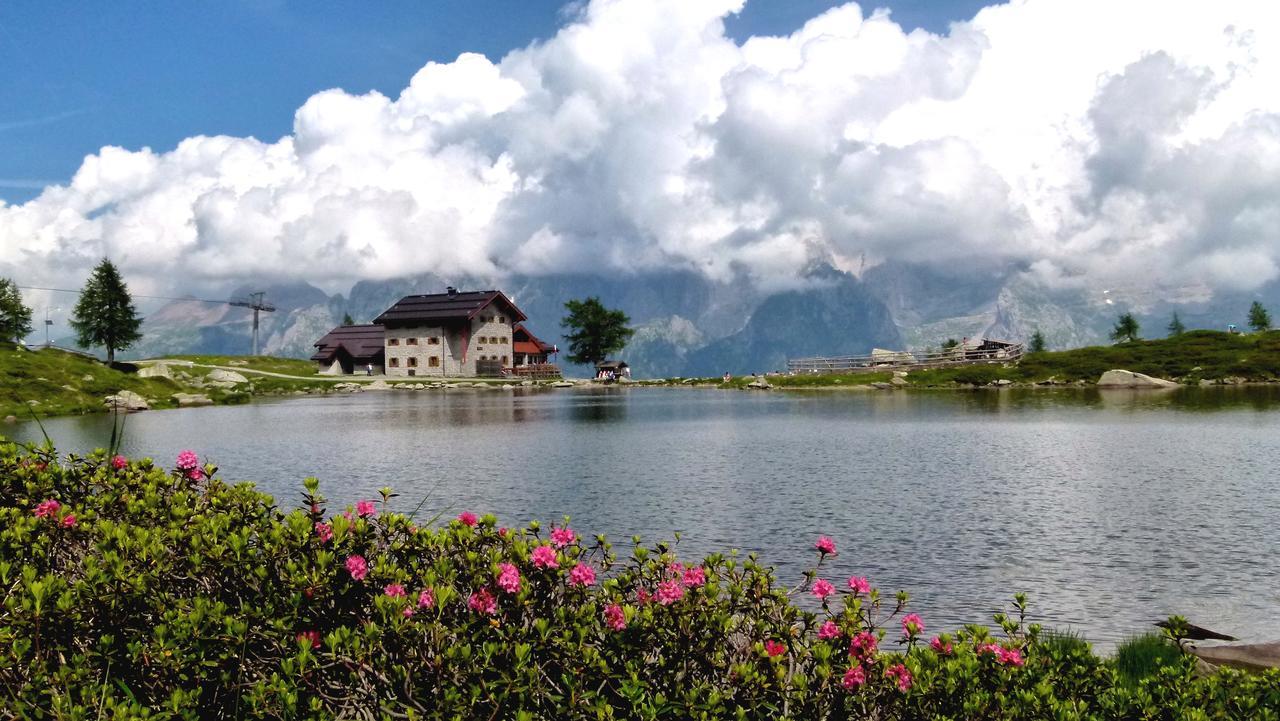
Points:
x=63, y=383
x=1189, y=358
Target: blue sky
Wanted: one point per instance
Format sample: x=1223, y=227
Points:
x=150, y=74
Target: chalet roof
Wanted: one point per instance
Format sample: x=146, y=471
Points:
x=361, y=341
x=523, y=341
x=445, y=307
x=611, y=365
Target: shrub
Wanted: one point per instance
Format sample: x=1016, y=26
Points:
x=135, y=590
x=1142, y=656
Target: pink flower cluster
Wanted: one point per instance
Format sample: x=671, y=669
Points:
x=365, y=508
x=863, y=645
x=47, y=509
x=912, y=624
x=669, y=592
x=823, y=588
x=942, y=647
x=582, y=575
x=189, y=464
x=324, y=532
x=614, y=617
x=828, y=631
x=509, y=578
x=1006, y=656
x=825, y=546
x=394, y=590
x=483, y=602
x=119, y=463
x=467, y=518
x=694, y=576
x=561, y=537
x=357, y=567
x=774, y=648
x=426, y=599
x=544, y=557
x=859, y=584
x=901, y=673
x=854, y=678
x=312, y=637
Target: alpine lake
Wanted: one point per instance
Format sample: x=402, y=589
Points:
x=1111, y=510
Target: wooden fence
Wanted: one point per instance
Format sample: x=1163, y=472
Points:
x=537, y=371
x=907, y=360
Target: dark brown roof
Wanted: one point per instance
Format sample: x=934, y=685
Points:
x=445, y=307
x=361, y=341
x=611, y=365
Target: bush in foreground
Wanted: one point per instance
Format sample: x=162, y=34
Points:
x=132, y=590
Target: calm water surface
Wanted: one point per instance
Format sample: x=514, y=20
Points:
x=1112, y=510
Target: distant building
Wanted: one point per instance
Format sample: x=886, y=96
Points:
x=528, y=349
x=350, y=349
x=450, y=334
x=611, y=370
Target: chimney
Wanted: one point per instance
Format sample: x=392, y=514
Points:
x=451, y=290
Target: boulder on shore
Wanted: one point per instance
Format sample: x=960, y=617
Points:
x=1129, y=379
x=155, y=370
x=187, y=400
x=127, y=401
x=760, y=384
x=1249, y=656
x=219, y=375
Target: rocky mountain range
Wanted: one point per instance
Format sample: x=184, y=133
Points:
x=687, y=324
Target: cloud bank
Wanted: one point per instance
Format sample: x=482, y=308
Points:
x=1089, y=141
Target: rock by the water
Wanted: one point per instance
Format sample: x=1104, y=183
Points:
x=1001, y=382
x=86, y=378
x=1129, y=379
x=10, y=420
x=882, y=386
x=562, y=384
x=219, y=375
x=377, y=386
x=759, y=384
x=155, y=370
x=127, y=401
x=187, y=400
x=1250, y=656
x=898, y=380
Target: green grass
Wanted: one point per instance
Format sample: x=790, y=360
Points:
x=1142, y=656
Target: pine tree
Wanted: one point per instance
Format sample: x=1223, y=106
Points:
x=1176, y=328
x=105, y=314
x=1259, y=318
x=1126, y=329
x=346, y=319
x=595, y=331
x=1037, y=342
x=15, y=316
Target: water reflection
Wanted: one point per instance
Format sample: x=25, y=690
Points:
x=1111, y=509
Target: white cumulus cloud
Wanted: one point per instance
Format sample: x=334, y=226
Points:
x=1088, y=140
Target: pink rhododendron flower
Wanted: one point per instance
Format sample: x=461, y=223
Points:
x=912, y=624
x=669, y=592
x=829, y=631
x=694, y=577
x=426, y=599
x=69, y=520
x=863, y=645
x=825, y=546
x=902, y=674
x=509, y=578
x=188, y=461
x=357, y=567
x=614, y=617
x=365, y=508
x=943, y=648
x=468, y=518
x=773, y=648
x=119, y=462
x=859, y=584
x=47, y=508
x=582, y=575
x=393, y=590
x=407, y=612
x=313, y=637
x=324, y=532
x=823, y=588
x=643, y=596
x=544, y=557
x=502, y=532
x=483, y=602
x=854, y=678
x=1012, y=657
x=561, y=537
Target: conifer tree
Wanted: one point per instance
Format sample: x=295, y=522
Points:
x=15, y=316
x=1259, y=318
x=1176, y=328
x=1126, y=329
x=1037, y=342
x=105, y=315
